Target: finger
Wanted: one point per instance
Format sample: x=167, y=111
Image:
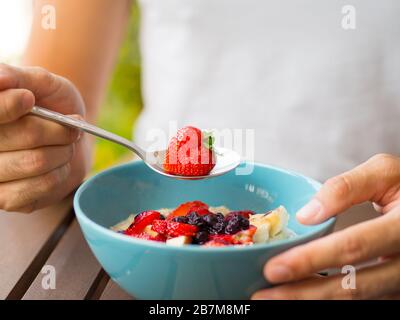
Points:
x=27, y=194
x=14, y=103
x=376, y=180
x=50, y=90
x=355, y=244
x=370, y=283
x=16, y=165
x=31, y=132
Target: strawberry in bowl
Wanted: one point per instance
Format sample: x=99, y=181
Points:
x=197, y=223
x=190, y=153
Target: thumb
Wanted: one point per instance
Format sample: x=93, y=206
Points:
x=369, y=181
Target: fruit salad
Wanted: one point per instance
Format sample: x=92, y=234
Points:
x=190, y=153
x=197, y=223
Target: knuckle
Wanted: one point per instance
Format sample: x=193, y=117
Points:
x=31, y=133
x=4, y=68
x=66, y=153
x=44, y=77
x=302, y=260
x=50, y=180
x=70, y=152
x=384, y=159
x=9, y=207
x=67, y=82
x=341, y=185
x=18, y=198
x=40, y=72
x=71, y=134
x=10, y=106
x=352, y=250
x=11, y=204
x=55, y=177
x=35, y=161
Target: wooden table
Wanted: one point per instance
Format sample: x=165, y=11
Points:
x=53, y=237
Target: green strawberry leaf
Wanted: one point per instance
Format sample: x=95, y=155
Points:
x=208, y=139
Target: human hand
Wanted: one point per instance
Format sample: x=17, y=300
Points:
x=377, y=180
x=41, y=162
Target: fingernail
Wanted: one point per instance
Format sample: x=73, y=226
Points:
x=279, y=274
x=311, y=211
x=80, y=133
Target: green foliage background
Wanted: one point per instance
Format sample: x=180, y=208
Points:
x=123, y=100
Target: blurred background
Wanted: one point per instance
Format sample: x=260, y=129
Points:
x=122, y=103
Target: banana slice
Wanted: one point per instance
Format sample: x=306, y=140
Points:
x=179, y=241
x=221, y=209
x=262, y=233
x=123, y=225
x=164, y=211
x=276, y=220
x=150, y=232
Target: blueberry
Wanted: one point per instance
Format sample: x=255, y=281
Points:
x=233, y=225
x=200, y=237
x=181, y=219
x=229, y=216
x=210, y=219
x=232, y=228
x=195, y=219
x=236, y=222
x=218, y=228
x=244, y=224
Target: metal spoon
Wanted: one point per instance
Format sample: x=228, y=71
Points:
x=226, y=160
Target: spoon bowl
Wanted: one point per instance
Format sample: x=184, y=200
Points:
x=226, y=160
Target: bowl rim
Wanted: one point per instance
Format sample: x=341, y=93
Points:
x=83, y=218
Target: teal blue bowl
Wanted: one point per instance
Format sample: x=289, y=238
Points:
x=151, y=270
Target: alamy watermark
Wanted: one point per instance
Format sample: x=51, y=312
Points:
x=49, y=277
x=349, y=17
x=49, y=17
x=349, y=280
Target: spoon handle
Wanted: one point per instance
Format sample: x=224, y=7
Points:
x=87, y=127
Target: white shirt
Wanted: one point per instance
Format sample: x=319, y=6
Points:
x=320, y=98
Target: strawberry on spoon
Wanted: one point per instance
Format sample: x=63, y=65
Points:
x=225, y=159
x=190, y=153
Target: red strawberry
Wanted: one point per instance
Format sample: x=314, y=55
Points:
x=244, y=236
x=192, y=206
x=159, y=226
x=176, y=229
x=226, y=238
x=142, y=220
x=146, y=236
x=190, y=153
